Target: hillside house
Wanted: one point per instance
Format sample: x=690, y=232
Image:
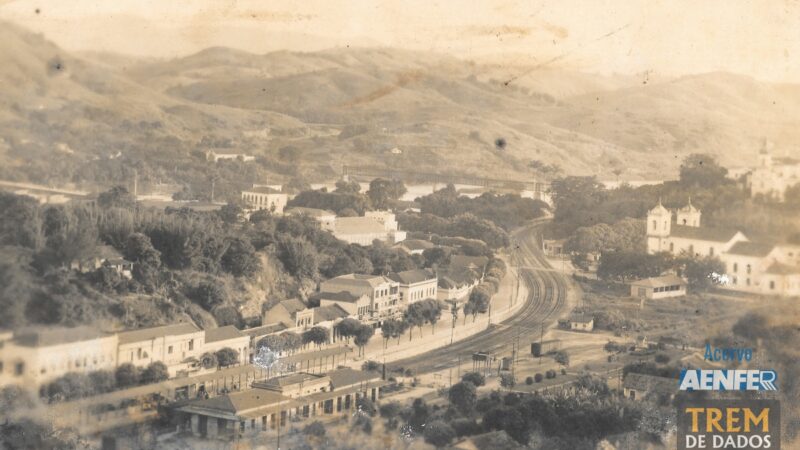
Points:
x=217, y=155
x=292, y=313
x=103, y=256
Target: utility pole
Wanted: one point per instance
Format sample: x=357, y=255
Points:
x=135, y=182
x=541, y=339
x=279, y=416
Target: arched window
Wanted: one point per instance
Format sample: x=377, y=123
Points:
x=684, y=221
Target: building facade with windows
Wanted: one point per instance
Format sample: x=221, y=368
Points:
x=383, y=292
x=264, y=198
x=416, y=285
x=759, y=268
x=178, y=346
x=32, y=357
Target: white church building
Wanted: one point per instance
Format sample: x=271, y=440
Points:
x=750, y=266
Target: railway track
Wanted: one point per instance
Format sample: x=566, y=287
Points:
x=546, y=300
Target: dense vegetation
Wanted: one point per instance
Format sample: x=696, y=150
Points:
x=582, y=202
x=577, y=418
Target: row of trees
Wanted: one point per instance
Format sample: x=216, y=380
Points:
x=348, y=200
x=701, y=273
x=78, y=385
x=575, y=420
x=467, y=225
x=508, y=211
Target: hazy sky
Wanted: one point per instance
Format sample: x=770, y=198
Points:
x=760, y=38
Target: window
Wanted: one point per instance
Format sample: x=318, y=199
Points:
x=691, y=249
x=191, y=344
x=749, y=269
x=1, y=366
x=748, y=282
x=19, y=368
x=671, y=246
x=772, y=284
x=711, y=251
x=655, y=225
x=735, y=267
x=169, y=349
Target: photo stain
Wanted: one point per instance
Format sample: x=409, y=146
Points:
x=500, y=143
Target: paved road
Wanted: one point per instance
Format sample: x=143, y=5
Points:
x=547, y=294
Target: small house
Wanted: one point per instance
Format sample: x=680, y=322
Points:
x=637, y=386
x=578, y=322
x=658, y=287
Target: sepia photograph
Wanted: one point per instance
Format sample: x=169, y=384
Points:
x=399, y=224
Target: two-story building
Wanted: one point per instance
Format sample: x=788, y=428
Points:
x=178, y=346
x=264, y=198
x=384, y=293
x=228, y=337
x=358, y=306
x=35, y=356
x=416, y=285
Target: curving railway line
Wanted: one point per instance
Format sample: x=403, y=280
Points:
x=546, y=300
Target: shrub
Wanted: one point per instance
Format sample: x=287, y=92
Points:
x=563, y=371
x=529, y=381
x=550, y=374
x=315, y=428
x=475, y=378
x=465, y=427
x=127, y=375
x=370, y=366
x=155, y=372
x=662, y=358
x=538, y=377
x=507, y=380
x=227, y=356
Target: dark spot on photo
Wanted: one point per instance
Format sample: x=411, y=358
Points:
x=37, y=10
x=55, y=65
x=500, y=143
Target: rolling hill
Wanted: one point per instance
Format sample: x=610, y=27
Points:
x=62, y=117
